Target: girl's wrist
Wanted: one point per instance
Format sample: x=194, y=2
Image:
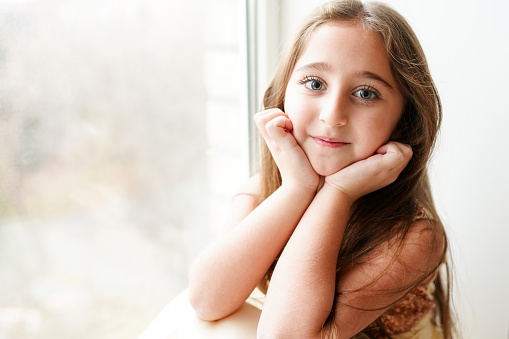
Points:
x=299, y=188
x=339, y=190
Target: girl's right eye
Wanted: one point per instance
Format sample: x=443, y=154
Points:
x=313, y=83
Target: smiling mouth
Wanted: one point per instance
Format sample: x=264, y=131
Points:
x=329, y=142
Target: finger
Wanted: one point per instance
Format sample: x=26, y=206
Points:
x=267, y=115
x=382, y=149
x=393, y=157
x=278, y=128
x=395, y=147
x=264, y=117
x=282, y=122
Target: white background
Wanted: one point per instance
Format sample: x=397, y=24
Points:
x=466, y=43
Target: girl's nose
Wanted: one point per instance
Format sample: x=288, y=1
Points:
x=334, y=111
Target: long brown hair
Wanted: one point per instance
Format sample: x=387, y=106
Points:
x=390, y=211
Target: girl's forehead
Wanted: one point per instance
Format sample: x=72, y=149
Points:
x=340, y=38
x=345, y=48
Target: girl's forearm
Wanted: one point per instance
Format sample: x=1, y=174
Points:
x=225, y=273
x=302, y=288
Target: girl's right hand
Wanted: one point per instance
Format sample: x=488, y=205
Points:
x=275, y=127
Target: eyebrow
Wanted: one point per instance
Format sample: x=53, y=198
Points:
x=323, y=66
x=373, y=76
x=317, y=66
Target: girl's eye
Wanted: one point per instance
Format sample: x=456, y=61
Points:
x=367, y=94
x=313, y=84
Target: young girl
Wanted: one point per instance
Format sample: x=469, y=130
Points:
x=339, y=228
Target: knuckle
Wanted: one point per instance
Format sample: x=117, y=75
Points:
x=407, y=149
x=270, y=124
x=258, y=119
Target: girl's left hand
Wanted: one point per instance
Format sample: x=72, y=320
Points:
x=368, y=175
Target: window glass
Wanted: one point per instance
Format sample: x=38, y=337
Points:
x=120, y=124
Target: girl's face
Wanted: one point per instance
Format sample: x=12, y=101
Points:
x=342, y=99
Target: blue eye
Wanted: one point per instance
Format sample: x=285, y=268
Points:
x=367, y=94
x=312, y=83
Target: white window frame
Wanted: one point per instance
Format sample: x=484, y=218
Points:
x=261, y=45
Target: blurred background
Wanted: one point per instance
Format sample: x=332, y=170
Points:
x=121, y=145
x=125, y=131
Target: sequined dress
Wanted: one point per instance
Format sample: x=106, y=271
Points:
x=409, y=318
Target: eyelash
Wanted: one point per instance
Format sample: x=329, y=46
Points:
x=309, y=78
x=371, y=89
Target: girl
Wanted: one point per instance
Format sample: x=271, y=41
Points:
x=339, y=228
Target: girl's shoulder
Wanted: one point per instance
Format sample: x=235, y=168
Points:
x=400, y=262
x=429, y=232
x=400, y=266
x=425, y=237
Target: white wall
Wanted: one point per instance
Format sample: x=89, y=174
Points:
x=466, y=43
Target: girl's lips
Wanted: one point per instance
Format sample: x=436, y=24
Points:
x=329, y=142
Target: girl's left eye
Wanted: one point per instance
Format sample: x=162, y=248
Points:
x=367, y=94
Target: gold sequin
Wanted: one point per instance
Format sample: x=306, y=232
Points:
x=406, y=313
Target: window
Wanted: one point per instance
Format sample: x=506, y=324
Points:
x=122, y=125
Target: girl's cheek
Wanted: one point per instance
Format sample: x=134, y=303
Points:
x=294, y=116
x=289, y=111
x=297, y=105
x=292, y=107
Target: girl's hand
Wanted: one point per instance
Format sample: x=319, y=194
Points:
x=368, y=175
x=275, y=127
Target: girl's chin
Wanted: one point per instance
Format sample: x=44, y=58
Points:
x=325, y=170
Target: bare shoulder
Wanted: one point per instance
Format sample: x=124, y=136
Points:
x=425, y=243
x=245, y=200
x=418, y=253
x=387, y=273
x=400, y=263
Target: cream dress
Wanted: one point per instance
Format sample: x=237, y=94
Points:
x=179, y=321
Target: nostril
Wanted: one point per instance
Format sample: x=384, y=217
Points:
x=333, y=120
